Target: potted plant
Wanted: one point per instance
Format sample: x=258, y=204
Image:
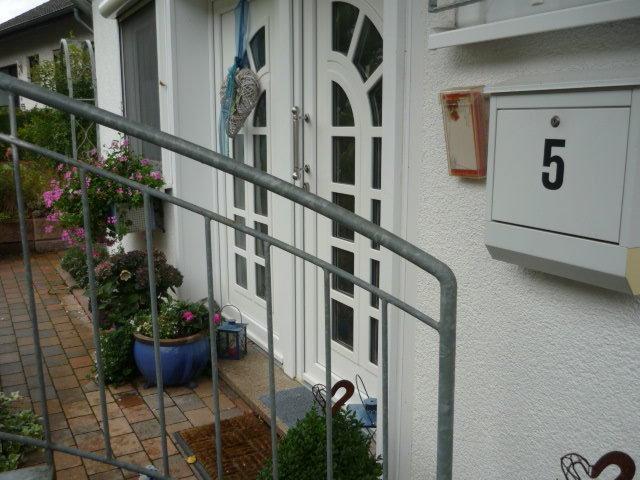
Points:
x=64, y=200
x=184, y=342
x=123, y=285
x=302, y=452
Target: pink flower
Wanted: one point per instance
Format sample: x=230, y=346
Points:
x=138, y=176
x=217, y=318
x=144, y=162
x=48, y=228
x=60, y=167
x=120, y=190
x=156, y=175
x=188, y=316
x=125, y=142
x=111, y=220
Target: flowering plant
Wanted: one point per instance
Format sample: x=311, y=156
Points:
x=176, y=319
x=64, y=201
x=123, y=284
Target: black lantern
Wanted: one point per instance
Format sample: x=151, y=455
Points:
x=231, y=337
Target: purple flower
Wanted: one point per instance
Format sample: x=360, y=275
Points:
x=188, y=316
x=217, y=318
x=156, y=175
x=48, y=228
x=144, y=162
x=111, y=220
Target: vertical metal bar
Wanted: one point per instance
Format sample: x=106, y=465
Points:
x=213, y=349
x=327, y=370
x=148, y=214
x=385, y=392
x=88, y=243
x=26, y=258
x=67, y=61
x=446, y=379
x=94, y=83
x=272, y=375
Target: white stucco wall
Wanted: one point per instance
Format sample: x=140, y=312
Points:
x=42, y=41
x=545, y=366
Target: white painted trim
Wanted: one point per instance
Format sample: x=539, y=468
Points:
x=610, y=11
x=111, y=8
x=397, y=34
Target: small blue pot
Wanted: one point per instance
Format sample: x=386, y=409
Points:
x=182, y=359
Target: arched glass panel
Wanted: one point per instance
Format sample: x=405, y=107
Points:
x=342, y=112
x=260, y=113
x=368, y=54
x=258, y=49
x=345, y=16
x=375, y=100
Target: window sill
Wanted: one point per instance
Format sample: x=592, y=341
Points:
x=610, y=11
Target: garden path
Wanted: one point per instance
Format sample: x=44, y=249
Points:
x=72, y=397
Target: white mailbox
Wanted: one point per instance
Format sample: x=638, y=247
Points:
x=563, y=178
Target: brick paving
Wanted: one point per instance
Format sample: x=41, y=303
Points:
x=72, y=396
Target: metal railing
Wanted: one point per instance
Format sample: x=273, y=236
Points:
x=446, y=326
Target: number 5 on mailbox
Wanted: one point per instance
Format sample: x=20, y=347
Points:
x=548, y=160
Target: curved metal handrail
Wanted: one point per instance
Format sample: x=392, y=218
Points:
x=448, y=287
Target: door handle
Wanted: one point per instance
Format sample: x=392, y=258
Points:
x=295, y=119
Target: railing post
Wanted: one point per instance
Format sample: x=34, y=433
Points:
x=153, y=297
x=95, y=318
x=385, y=390
x=214, y=348
x=272, y=374
x=26, y=258
x=327, y=369
x=446, y=378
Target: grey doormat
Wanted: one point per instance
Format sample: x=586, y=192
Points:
x=291, y=404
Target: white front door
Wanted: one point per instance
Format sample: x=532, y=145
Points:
x=262, y=143
x=343, y=141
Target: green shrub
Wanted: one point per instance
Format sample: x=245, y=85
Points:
x=35, y=181
x=302, y=452
x=47, y=128
x=74, y=261
x=117, y=354
x=123, y=284
x=18, y=422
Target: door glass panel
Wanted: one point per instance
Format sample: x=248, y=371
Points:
x=376, y=164
x=241, y=238
x=342, y=112
x=241, y=271
x=260, y=161
x=342, y=323
x=260, y=113
x=238, y=184
x=368, y=54
x=262, y=228
x=344, y=160
x=258, y=50
x=348, y=202
x=375, y=218
x=375, y=281
x=345, y=261
x=373, y=340
x=375, y=100
x=261, y=288
x=344, y=17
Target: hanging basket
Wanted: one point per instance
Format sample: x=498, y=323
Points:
x=246, y=93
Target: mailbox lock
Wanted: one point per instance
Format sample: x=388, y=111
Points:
x=555, y=121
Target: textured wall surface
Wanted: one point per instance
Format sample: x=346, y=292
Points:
x=545, y=366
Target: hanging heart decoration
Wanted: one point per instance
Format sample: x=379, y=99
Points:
x=572, y=463
x=246, y=93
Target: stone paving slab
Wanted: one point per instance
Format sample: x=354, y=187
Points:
x=72, y=396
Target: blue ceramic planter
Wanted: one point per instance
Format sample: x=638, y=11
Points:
x=182, y=358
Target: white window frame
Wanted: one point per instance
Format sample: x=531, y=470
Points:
x=602, y=12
